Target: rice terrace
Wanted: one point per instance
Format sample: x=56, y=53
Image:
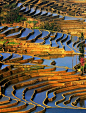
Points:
x=42, y=56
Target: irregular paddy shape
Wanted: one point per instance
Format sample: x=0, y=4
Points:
x=49, y=14
x=67, y=97
x=62, y=110
x=9, y=103
x=19, y=92
x=9, y=28
x=26, y=108
x=71, y=45
x=5, y=55
x=70, y=18
x=54, y=14
x=47, y=62
x=29, y=93
x=14, y=55
x=60, y=69
x=19, y=4
x=13, y=34
x=60, y=62
x=27, y=9
x=22, y=8
x=37, y=12
x=50, y=95
x=8, y=91
x=2, y=99
x=67, y=61
x=38, y=109
x=25, y=32
x=47, y=41
x=59, y=35
x=60, y=16
x=33, y=36
x=36, y=58
x=26, y=57
x=3, y=66
x=46, y=78
x=1, y=27
x=39, y=41
x=81, y=103
x=39, y=98
x=65, y=43
x=32, y=10
x=43, y=12
x=44, y=34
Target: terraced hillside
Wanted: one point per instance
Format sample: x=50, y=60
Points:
x=35, y=76
x=60, y=15
x=38, y=68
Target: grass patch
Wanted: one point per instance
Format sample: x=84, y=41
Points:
x=2, y=42
x=12, y=43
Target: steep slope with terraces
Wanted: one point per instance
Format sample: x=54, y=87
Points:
x=38, y=71
x=65, y=17
x=35, y=75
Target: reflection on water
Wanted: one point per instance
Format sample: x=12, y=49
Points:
x=82, y=103
x=7, y=29
x=5, y=55
x=22, y=8
x=64, y=43
x=49, y=13
x=13, y=34
x=39, y=41
x=25, y=32
x=70, y=18
x=44, y=34
x=67, y=61
x=19, y=4
x=27, y=9
x=43, y=12
x=1, y=27
x=36, y=33
x=47, y=41
x=32, y=10
x=54, y=14
x=3, y=66
x=37, y=11
x=15, y=56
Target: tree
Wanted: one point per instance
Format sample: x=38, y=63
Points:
x=81, y=49
x=82, y=37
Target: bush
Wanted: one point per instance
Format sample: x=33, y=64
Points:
x=13, y=16
x=50, y=26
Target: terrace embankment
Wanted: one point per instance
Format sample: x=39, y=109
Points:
x=36, y=49
x=74, y=27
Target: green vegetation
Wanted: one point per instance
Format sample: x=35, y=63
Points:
x=36, y=67
x=35, y=22
x=81, y=46
x=36, y=27
x=50, y=26
x=82, y=37
x=81, y=56
x=10, y=6
x=12, y=43
x=2, y=42
x=13, y=16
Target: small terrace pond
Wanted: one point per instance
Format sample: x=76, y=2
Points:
x=44, y=12
x=25, y=32
x=37, y=11
x=36, y=33
x=70, y=18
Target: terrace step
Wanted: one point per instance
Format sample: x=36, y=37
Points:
x=19, y=106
